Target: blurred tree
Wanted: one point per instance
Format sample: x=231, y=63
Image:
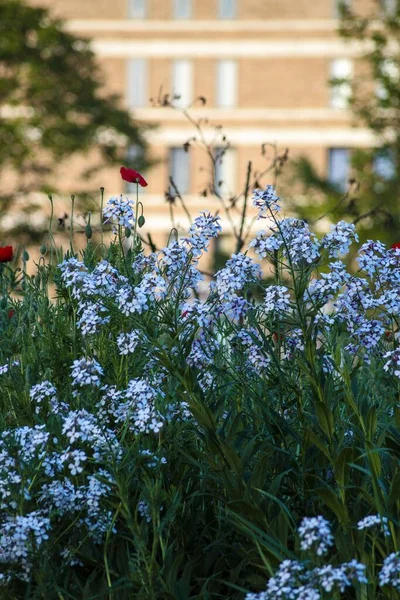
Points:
x=53, y=104
x=373, y=197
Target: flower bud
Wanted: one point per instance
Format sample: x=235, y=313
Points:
x=88, y=231
x=141, y=221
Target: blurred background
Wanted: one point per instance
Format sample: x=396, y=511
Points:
x=188, y=92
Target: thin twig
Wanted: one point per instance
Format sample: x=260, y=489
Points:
x=240, y=241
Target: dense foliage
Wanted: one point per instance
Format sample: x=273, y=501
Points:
x=161, y=442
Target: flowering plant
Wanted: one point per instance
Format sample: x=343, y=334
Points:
x=166, y=436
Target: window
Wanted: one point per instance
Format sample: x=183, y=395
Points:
x=227, y=9
x=339, y=167
x=225, y=171
x=137, y=9
x=389, y=7
x=180, y=170
x=390, y=74
x=137, y=94
x=182, y=82
x=182, y=9
x=226, y=83
x=384, y=165
x=341, y=69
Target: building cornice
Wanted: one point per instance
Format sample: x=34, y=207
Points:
x=255, y=136
x=193, y=25
x=162, y=115
x=260, y=48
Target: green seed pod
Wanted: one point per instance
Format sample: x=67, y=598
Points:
x=25, y=256
x=88, y=231
x=141, y=221
x=128, y=232
x=3, y=303
x=37, y=279
x=43, y=249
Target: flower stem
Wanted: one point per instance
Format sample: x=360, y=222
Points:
x=71, y=228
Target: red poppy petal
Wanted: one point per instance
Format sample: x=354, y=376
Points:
x=6, y=253
x=396, y=245
x=132, y=176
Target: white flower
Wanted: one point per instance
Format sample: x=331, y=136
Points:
x=372, y=521
x=86, y=371
x=120, y=210
x=338, y=240
x=390, y=572
x=393, y=364
x=238, y=271
x=266, y=200
x=276, y=299
x=143, y=510
x=315, y=534
x=74, y=458
x=252, y=344
x=46, y=392
x=127, y=342
x=20, y=537
x=265, y=243
x=92, y=317
x=204, y=227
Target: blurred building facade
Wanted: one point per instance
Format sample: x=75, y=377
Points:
x=263, y=66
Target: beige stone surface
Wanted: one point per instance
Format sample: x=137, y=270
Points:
x=286, y=95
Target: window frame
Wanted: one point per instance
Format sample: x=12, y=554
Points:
x=338, y=182
x=221, y=86
x=340, y=93
x=131, y=10
x=186, y=169
x=176, y=4
x=131, y=82
x=232, y=12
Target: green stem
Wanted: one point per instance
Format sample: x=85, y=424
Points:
x=108, y=575
x=101, y=214
x=136, y=216
x=240, y=241
x=51, y=213
x=71, y=229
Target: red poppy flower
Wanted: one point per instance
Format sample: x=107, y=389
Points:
x=11, y=313
x=6, y=253
x=396, y=245
x=132, y=176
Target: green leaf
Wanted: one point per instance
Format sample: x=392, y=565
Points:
x=341, y=466
x=374, y=459
x=331, y=500
x=314, y=439
x=325, y=419
x=371, y=422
